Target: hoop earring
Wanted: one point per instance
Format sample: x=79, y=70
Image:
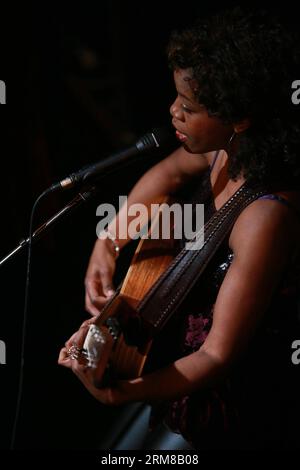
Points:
x=231, y=138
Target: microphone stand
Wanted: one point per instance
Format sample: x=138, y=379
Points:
x=83, y=196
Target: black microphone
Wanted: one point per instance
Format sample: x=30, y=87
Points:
x=151, y=141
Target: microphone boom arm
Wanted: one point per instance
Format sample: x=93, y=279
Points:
x=81, y=197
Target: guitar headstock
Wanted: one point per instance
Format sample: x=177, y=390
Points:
x=97, y=348
x=93, y=346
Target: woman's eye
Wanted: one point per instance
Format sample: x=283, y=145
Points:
x=186, y=109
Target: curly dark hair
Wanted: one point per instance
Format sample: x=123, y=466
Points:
x=244, y=63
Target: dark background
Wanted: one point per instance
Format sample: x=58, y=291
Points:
x=82, y=82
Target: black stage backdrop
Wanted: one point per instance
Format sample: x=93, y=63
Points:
x=82, y=82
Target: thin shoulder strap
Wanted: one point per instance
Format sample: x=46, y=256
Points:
x=282, y=200
x=214, y=160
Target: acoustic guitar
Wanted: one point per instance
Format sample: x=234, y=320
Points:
x=118, y=342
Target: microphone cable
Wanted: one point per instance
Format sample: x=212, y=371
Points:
x=24, y=322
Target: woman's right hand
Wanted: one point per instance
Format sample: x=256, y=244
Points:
x=99, y=276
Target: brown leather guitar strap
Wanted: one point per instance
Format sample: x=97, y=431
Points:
x=172, y=287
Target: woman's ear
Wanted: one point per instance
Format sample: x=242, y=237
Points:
x=241, y=126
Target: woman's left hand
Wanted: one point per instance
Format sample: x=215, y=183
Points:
x=106, y=395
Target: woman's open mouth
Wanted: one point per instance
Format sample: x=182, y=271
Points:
x=181, y=137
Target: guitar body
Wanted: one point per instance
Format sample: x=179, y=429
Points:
x=119, y=341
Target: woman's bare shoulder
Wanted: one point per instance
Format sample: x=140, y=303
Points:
x=266, y=224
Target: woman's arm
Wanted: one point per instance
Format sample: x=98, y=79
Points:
x=262, y=239
x=161, y=180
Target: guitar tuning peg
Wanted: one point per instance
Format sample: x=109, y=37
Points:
x=113, y=327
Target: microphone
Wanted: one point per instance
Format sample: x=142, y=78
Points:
x=151, y=141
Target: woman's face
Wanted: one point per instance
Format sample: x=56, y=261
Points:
x=196, y=130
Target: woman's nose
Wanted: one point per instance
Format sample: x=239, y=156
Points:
x=175, y=111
